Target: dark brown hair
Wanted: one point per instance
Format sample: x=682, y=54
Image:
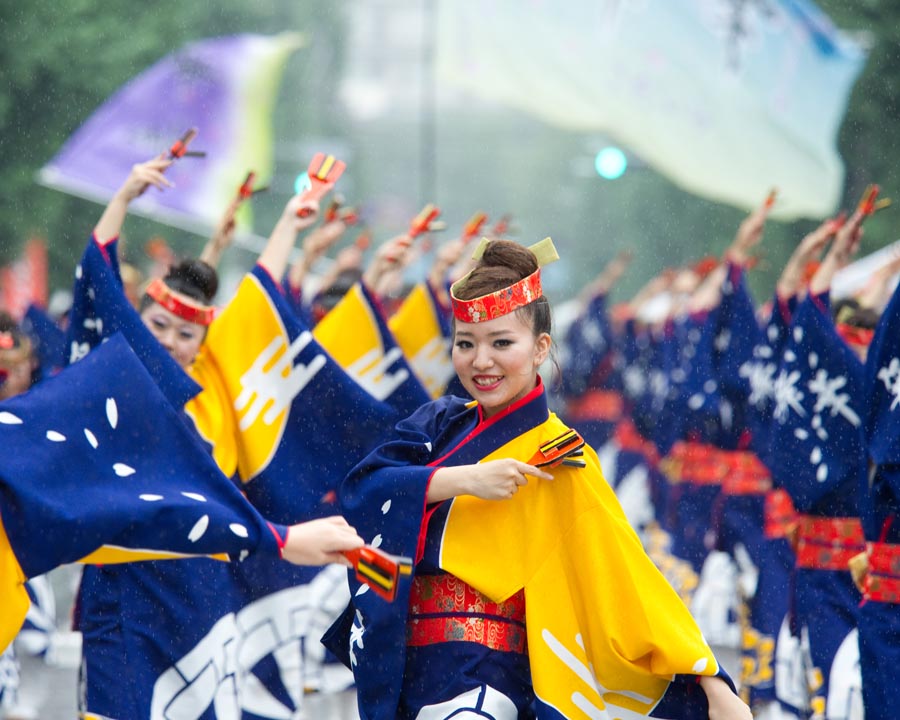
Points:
x=503, y=263
x=194, y=278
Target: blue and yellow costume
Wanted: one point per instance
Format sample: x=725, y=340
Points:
x=541, y=606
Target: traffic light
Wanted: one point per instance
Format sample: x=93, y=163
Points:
x=610, y=163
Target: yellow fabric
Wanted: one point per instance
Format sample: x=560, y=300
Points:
x=349, y=331
x=246, y=351
x=14, y=600
x=111, y=555
x=604, y=627
x=418, y=333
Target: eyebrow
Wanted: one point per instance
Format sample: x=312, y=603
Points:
x=495, y=333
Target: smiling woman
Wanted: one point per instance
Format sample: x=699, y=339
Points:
x=531, y=594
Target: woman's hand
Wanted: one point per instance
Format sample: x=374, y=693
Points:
x=300, y=213
x=388, y=256
x=320, y=542
x=274, y=257
x=143, y=175
x=723, y=703
x=809, y=249
x=492, y=480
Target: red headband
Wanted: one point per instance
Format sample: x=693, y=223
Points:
x=175, y=302
x=506, y=300
x=855, y=336
x=500, y=302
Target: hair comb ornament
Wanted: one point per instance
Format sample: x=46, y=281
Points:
x=379, y=570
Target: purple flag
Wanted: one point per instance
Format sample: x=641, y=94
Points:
x=226, y=87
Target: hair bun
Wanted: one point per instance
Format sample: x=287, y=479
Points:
x=194, y=278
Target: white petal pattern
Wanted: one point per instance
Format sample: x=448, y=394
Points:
x=54, y=436
x=149, y=497
x=123, y=470
x=199, y=529
x=194, y=496
x=7, y=418
x=239, y=530
x=91, y=438
x=112, y=412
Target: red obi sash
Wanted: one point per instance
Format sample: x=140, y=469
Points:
x=694, y=463
x=442, y=608
x=745, y=474
x=628, y=438
x=603, y=405
x=883, y=579
x=780, y=515
x=825, y=543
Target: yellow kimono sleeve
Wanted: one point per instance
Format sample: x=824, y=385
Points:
x=604, y=627
x=13, y=596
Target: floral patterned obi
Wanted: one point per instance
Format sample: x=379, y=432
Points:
x=445, y=609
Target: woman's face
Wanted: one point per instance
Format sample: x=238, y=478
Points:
x=497, y=360
x=181, y=338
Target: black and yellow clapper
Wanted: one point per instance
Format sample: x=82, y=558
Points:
x=566, y=449
x=379, y=570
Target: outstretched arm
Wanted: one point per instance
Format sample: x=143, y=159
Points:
x=142, y=176
x=320, y=542
x=493, y=480
x=315, y=245
x=878, y=290
x=275, y=255
x=389, y=256
x=608, y=277
x=806, y=252
x=222, y=236
x=844, y=246
x=723, y=703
